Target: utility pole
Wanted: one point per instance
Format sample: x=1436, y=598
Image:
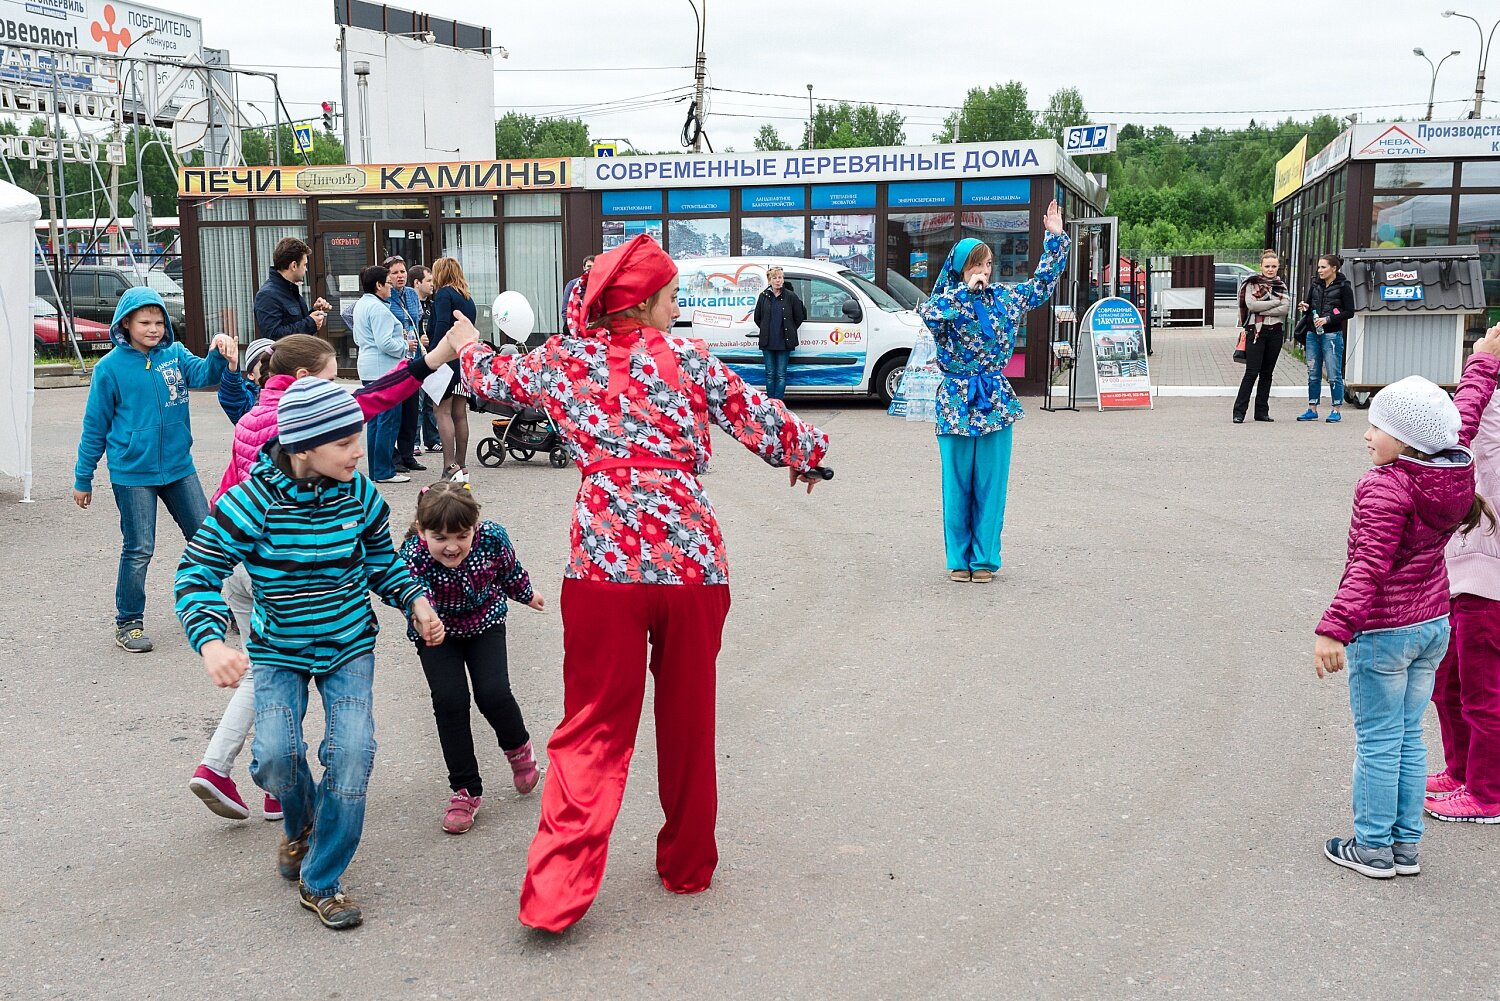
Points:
x=700, y=70
x=810, y=143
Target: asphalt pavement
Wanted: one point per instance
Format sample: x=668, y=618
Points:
x=1106, y=775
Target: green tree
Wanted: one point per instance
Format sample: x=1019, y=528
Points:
x=1064, y=110
x=991, y=114
x=845, y=125
x=768, y=139
x=518, y=136
x=256, y=147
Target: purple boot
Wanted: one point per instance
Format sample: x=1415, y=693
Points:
x=523, y=768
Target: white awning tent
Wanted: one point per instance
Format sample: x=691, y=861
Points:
x=19, y=211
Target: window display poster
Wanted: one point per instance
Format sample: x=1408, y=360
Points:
x=690, y=238
x=918, y=266
x=1116, y=335
x=845, y=240
x=619, y=231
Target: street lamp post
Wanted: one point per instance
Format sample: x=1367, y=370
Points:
x=114, y=169
x=1484, y=59
x=810, y=118
x=1432, y=90
x=142, y=217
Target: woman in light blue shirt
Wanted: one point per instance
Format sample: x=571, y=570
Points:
x=382, y=346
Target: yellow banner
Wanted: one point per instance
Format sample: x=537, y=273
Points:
x=377, y=179
x=1289, y=171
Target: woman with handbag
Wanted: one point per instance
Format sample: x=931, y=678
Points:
x=1330, y=303
x=1265, y=303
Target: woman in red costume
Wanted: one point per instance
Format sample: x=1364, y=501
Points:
x=634, y=405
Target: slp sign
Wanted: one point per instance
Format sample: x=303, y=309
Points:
x=1082, y=140
x=1401, y=293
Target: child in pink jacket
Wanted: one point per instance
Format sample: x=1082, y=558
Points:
x=293, y=357
x=1467, y=693
x=1392, y=604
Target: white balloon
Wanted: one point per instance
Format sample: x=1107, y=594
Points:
x=512, y=315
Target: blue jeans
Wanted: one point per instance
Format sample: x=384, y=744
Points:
x=1325, y=352
x=776, y=373
x=187, y=506
x=430, y=436
x=380, y=442
x=1390, y=683
x=279, y=761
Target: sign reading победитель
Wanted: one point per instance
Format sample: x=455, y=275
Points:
x=1116, y=335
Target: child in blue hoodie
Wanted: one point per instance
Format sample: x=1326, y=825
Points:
x=137, y=419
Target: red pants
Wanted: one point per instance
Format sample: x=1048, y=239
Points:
x=605, y=632
x=1467, y=695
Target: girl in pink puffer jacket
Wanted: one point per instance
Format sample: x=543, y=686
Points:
x=293, y=357
x=1391, y=608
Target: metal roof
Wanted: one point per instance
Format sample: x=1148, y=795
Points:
x=1450, y=278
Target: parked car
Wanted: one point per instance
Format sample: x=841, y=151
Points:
x=173, y=269
x=96, y=288
x=1227, y=279
x=46, y=327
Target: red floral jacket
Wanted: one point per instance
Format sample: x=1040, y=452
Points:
x=635, y=523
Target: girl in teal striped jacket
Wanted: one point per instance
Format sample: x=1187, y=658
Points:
x=314, y=536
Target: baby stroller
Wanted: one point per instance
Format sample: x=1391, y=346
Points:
x=521, y=433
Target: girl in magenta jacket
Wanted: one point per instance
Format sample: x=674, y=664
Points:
x=1467, y=692
x=293, y=357
x=1391, y=609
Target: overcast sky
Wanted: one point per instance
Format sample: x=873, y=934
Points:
x=1185, y=63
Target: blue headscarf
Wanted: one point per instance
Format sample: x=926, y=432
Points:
x=951, y=274
x=980, y=388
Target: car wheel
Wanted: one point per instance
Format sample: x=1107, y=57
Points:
x=888, y=379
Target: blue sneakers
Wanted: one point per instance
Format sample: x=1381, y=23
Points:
x=1310, y=415
x=1333, y=418
x=1377, y=863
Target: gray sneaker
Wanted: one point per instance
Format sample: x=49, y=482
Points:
x=1405, y=856
x=130, y=637
x=1377, y=863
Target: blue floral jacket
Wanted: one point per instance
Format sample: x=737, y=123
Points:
x=975, y=335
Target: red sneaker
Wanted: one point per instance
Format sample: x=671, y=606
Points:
x=523, y=768
x=271, y=807
x=461, y=810
x=1462, y=807
x=218, y=793
x=1442, y=784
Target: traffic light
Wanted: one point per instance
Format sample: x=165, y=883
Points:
x=328, y=109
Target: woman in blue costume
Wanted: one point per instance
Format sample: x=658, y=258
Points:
x=974, y=325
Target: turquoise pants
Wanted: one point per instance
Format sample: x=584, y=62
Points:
x=976, y=475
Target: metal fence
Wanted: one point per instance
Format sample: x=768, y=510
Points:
x=1250, y=257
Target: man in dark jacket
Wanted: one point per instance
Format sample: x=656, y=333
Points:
x=588, y=262
x=279, y=308
x=778, y=314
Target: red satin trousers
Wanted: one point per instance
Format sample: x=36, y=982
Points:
x=606, y=629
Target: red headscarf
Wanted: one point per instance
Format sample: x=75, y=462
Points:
x=621, y=278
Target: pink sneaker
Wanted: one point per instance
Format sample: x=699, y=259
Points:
x=1443, y=784
x=1462, y=807
x=218, y=793
x=461, y=810
x=271, y=807
x=523, y=768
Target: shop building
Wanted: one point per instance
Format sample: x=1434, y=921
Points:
x=889, y=215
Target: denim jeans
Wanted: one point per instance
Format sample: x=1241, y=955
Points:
x=279, y=761
x=188, y=507
x=1390, y=683
x=380, y=442
x=776, y=373
x=1325, y=353
x=430, y=436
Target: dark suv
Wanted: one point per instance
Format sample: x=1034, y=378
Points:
x=96, y=289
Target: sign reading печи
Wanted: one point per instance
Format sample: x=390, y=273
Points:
x=375, y=179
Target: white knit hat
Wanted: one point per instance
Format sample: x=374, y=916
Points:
x=1417, y=412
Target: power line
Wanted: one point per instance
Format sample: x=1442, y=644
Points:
x=498, y=69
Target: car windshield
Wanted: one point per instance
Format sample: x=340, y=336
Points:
x=878, y=295
x=41, y=307
x=163, y=283
x=902, y=290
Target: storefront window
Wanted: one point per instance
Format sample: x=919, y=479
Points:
x=223, y=209
x=1008, y=234
x=845, y=240
x=228, y=285
x=280, y=208
x=532, y=203
x=1414, y=174
x=917, y=243
x=533, y=267
x=468, y=206
x=474, y=246
x=1411, y=220
x=618, y=231
x=690, y=238
x=773, y=236
x=1479, y=224
x=266, y=238
x=1481, y=174
x=364, y=209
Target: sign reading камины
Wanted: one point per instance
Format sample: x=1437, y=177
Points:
x=377, y=179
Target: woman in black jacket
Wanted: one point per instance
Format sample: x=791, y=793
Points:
x=452, y=411
x=778, y=314
x=1330, y=303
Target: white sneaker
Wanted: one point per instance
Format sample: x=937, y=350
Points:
x=398, y=478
